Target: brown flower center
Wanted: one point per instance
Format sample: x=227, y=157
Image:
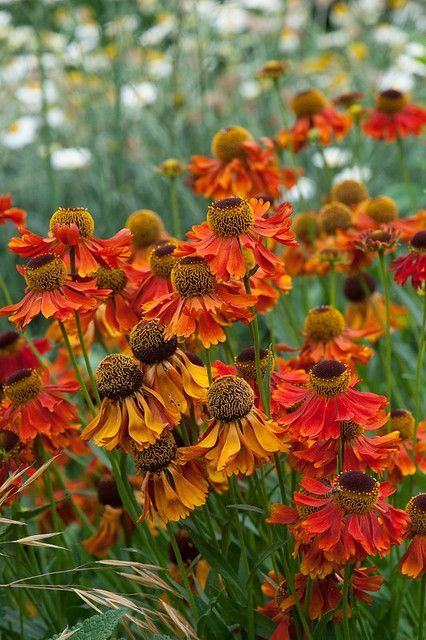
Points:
x=187, y=548
x=334, y=216
x=118, y=377
x=230, y=217
x=308, y=103
x=227, y=143
x=79, y=216
x=157, y=456
x=245, y=362
x=162, y=259
x=350, y=429
x=8, y=440
x=22, y=386
x=416, y=509
x=418, y=242
x=281, y=593
x=45, y=273
x=403, y=421
x=9, y=342
x=146, y=227
x=148, y=343
x=391, y=101
x=230, y=398
x=359, y=287
x=329, y=378
x=307, y=227
x=349, y=192
x=382, y=209
x=114, y=279
x=191, y=276
x=108, y=492
x=324, y=323
x=355, y=492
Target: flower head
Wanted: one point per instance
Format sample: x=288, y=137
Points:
x=15, y=353
x=413, y=562
x=383, y=239
x=349, y=192
x=412, y=265
x=394, y=117
x=11, y=214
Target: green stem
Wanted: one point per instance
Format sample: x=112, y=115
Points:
x=5, y=291
x=422, y=607
x=78, y=512
x=405, y=173
x=208, y=364
x=419, y=367
x=175, y=207
x=340, y=455
x=332, y=279
x=308, y=593
x=87, y=359
x=345, y=602
x=76, y=368
x=288, y=573
x=388, y=361
x=254, y=330
x=41, y=453
x=183, y=571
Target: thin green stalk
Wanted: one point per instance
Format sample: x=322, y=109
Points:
x=87, y=359
x=288, y=573
x=419, y=367
x=208, y=365
x=78, y=512
x=388, y=361
x=281, y=480
x=332, y=280
x=76, y=368
x=183, y=571
x=422, y=607
x=177, y=230
x=308, y=593
x=254, y=330
x=345, y=602
x=405, y=173
x=57, y=522
x=5, y=291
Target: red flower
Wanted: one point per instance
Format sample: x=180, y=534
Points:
x=413, y=562
x=13, y=214
x=15, y=353
x=414, y=264
x=233, y=224
x=394, y=117
x=403, y=463
x=73, y=228
x=155, y=277
x=51, y=292
x=117, y=315
x=324, y=397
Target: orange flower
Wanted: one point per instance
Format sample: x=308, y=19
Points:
x=15, y=353
x=413, y=562
x=233, y=224
x=155, y=277
x=51, y=292
x=147, y=229
x=172, y=487
x=366, y=311
x=239, y=437
x=100, y=543
x=116, y=315
x=13, y=214
x=34, y=406
x=166, y=368
x=314, y=114
x=14, y=455
x=199, y=304
x=73, y=229
x=394, y=117
x=131, y=413
x=404, y=463
x=240, y=167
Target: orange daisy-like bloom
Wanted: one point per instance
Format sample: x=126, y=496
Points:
x=239, y=437
x=116, y=315
x=172, y=486
x=394, y=117
x=328, y=338
x=199, y=304
x=233, y=223
x=413, y=562
x=73, y=229
x=14, y=455
x=109, y=526
x=324, y=397
x=352, y=519
x=34, y=406
x=359, y=452
x=240, y=167
x=412, y=265
x=314, y=112
x=11, y=214
x=51, y=292
x=366, y=311
x=403, y=463
x=155, y=279
x=131, y=414
x=16, y=354
x=166, y=368
x=147, y=229
x=375, y=212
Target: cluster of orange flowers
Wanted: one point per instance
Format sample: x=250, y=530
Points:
x=152, y=301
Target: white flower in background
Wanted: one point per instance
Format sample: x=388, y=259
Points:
x=353, y=173
x=396, y=78
x=249, y=89
x=390, y=35
x=369, y=11
x=122, y=24
x=87, y=35
x=158, y=32
x=159, y=67
x=22, y=37
x=18, y=69
x=296, y=15
x=334, y=157
x=30, y=95
x=268, y=6
x=289, y=40
x=71, y=158
x=5, y=20
x=20, y=133
x=338, y=38
x=230, y=19
x=415, y=50
x=304, y=186
x=134, y=96
x=56, y=117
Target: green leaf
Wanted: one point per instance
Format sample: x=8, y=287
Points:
x=99, y=627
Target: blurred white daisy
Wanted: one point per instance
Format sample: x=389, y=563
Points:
x=231, y=19
x=158, y=32
x=353, y=173
x=30, y=94
x=334, y=157
x=134, y=96
x=249, y=89
x=20, y=133
x=71, y=158
x=390, y=35
x=304, y=186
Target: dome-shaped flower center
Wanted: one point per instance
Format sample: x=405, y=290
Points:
x=22, y=386
x=307, y=227
x=9, y=342
x=45, y=273
x=416, y=509
x=334, y=216
x=382, y=209
x=324, y=323
x=191, y=276
x=350, y=429
x=230, y=398
x=227, y=143
x=114, y=279
x=187, y=548
x=281, y=593
x=308, y=103
x=230, y=217
x=148, y=343
x=157, y=456
x=8, y=441
x=403, y=421
x=418, y=242
x=79, y=216
x=329, y=378
x=349, y=192
x=108, y=492
x=305, y=510
x=273, y=69
x=245, y=362
x=162, y=259
x=355, y=492
x=359, y=287
x=146, y=227
x=391, y=101
x=118, y=376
